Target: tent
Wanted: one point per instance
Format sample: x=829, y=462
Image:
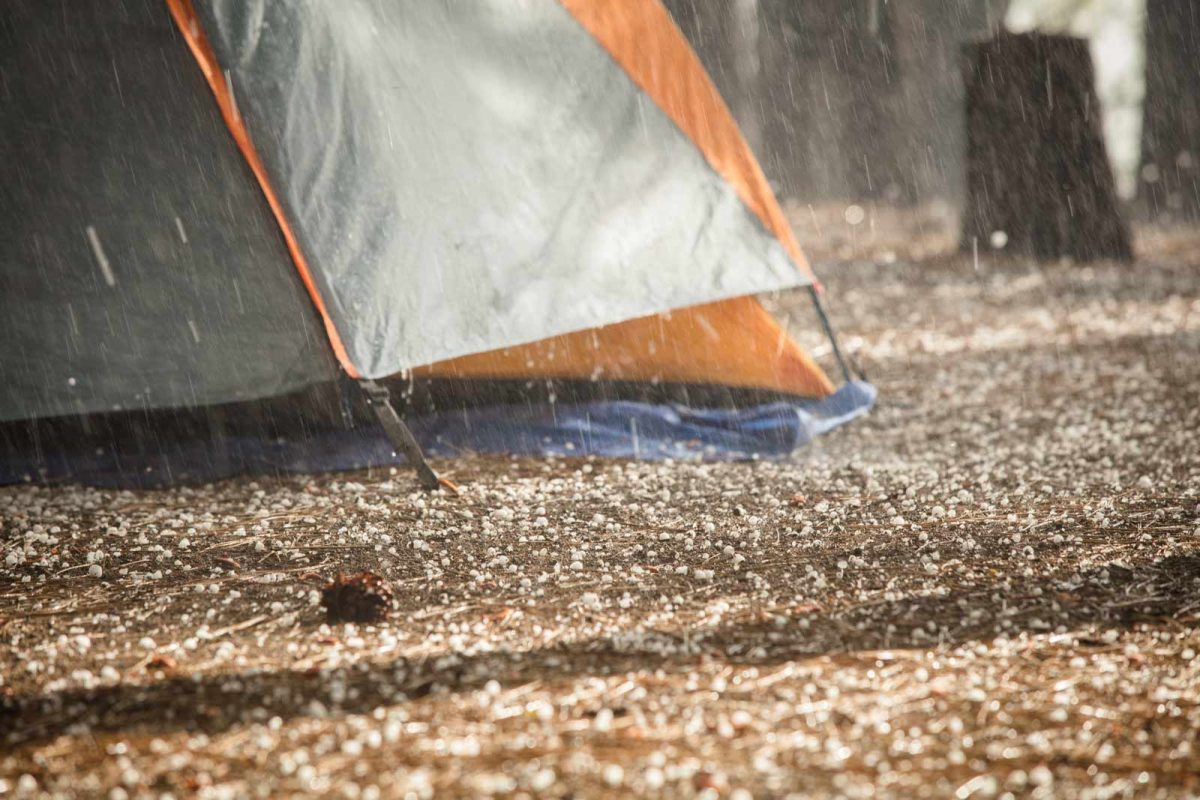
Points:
x=215, y=214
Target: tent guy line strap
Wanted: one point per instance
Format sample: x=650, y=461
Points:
x=828, y=326
x=398, y=433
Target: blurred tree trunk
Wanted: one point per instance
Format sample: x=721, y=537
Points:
x=928, y=37
x=864, y=97
x=826, y=75
x=1037, y=169
x=849, y=101
x=1169, y=181
x=725, y=36
x=743, y=41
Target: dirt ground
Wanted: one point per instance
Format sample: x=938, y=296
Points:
x=989, y=587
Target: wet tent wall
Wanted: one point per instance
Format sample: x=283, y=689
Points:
x=426, y=151
x=443, y=181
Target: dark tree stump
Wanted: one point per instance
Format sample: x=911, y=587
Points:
x=1037, y=168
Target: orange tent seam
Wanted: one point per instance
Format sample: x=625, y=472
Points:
x=185, y=18
x=642, y=38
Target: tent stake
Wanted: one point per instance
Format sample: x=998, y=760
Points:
x=398, y=433
x=825, y=323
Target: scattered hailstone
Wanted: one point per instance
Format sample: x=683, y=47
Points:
x=542, y=780
x=95, y=570
x=590, y=600
x=998, y=240
x=854, y=214
x=1041, y=775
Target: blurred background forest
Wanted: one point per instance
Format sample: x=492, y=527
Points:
x=861, y=101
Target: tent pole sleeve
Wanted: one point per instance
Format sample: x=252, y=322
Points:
x=398, y=433
x=828, y=326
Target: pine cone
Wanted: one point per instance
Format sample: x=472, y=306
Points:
x=365, y=597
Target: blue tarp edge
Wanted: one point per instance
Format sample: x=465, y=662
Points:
x=618, y=429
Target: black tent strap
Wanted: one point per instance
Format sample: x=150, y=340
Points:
x=398, y=433
x=825, y=323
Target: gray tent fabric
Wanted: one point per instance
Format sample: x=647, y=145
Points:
x=465, y=176
x=140, y=266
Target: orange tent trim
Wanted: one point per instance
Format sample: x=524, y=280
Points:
x=184, y=15
x=732, y=342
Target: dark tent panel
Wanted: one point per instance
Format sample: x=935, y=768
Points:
x=140, y=265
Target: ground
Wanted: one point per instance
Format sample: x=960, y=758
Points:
x=988, y=587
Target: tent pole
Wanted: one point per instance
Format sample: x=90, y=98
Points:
x=398, y=433
x=828, y=326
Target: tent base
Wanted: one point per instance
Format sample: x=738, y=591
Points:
x=620, y=429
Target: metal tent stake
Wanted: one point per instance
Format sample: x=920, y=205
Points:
x=398, y=433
